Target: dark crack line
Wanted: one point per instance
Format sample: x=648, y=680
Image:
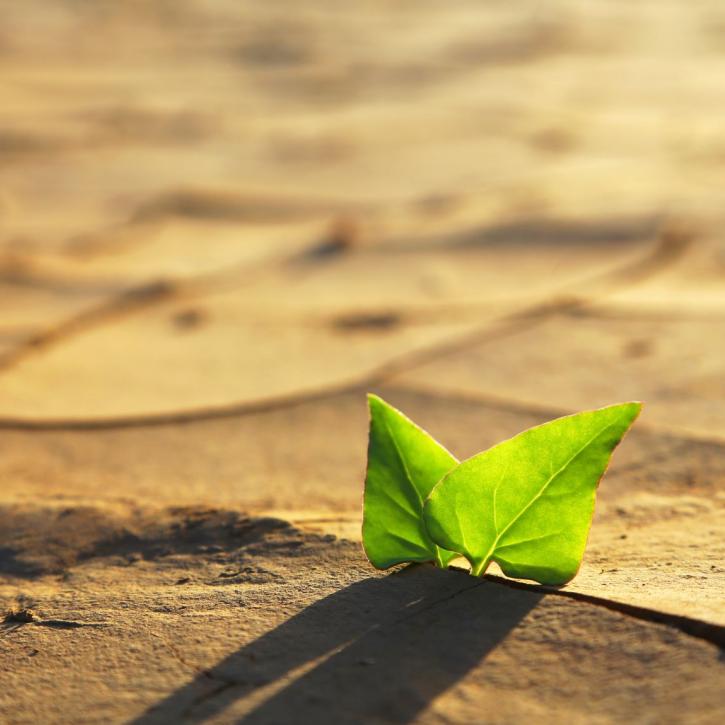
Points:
x=184, y=416
x=316, y=396
x=507, y=326
x=8, y=629
x=140, y=297
x=625, y=311
x=712, y=633
x=438, y=602
x=514, y=405
x=55, y=284
x=221, y=688
x=127, y=302
x=223, y=683
x=666, y=252
x=59, y=624
x=201, y=671
x=66, y=624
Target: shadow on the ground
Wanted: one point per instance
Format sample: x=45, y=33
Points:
x=37, y=541
x=378, y=650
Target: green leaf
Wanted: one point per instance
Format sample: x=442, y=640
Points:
x=404, y=463
x=527, y=503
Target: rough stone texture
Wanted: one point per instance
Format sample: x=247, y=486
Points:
x=221, y=226
x=204, y=615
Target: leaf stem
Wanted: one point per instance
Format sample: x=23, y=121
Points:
x=439, y=559
x=480, y=569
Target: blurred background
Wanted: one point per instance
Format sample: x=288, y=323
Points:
x=209, y=204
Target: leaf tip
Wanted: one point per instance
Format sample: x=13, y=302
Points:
x=633, y=408
x=628, y=410
x=375, y=401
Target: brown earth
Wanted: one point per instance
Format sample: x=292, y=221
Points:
x=221, y=224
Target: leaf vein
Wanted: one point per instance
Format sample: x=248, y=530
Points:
x=495, y=492
x=409, y=543
x=541, y=491
x=403, y=508
x=404, y=465
x=528, y=541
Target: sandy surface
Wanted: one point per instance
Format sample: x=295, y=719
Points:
x=222, y=223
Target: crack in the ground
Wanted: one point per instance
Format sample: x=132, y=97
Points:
x=62, y=624
x=315, y=396
x=184, y=416
x=127, y=302
x=667, y=251
x=712, y=633
x=224, y=683
x=136, y=298
x=438, y=602
x=211, y=695
x=514, y=405
x=202, y=671
x=378, y=377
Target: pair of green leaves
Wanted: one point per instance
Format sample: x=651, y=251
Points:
x=526, y=503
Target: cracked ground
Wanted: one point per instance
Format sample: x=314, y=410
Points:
x=221, y=224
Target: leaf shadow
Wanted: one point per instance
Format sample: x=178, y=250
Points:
x=379, y=650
